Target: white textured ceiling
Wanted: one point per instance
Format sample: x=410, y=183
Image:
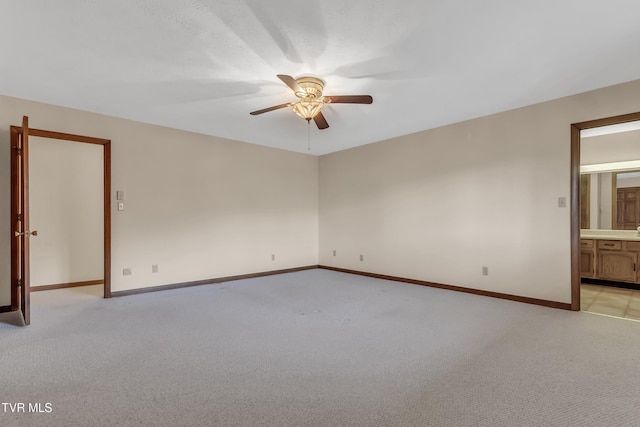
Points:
x=203, y=66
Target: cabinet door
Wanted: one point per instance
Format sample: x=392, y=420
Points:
x=619, y=266
x=587, y=264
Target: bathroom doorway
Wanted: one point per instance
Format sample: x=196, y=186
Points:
x=604, y=258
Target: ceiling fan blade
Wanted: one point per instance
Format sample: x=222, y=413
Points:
x=292, y=83
x=349, y=99
x=266, y=110
x=321, y=122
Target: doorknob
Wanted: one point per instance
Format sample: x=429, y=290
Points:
x=26, y=233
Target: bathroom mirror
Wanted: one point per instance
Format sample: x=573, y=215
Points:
x=612, y=200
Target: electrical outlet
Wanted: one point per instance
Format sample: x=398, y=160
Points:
x=154, y=268
x=334, y=252
x=562, y=202
x=273, y=257
x=485, y=270
x=127, y=272
x=361, y=258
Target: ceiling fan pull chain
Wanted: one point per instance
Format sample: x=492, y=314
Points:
x=309, y=135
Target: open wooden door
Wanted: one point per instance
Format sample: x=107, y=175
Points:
x=20, y=292
x=20, y=231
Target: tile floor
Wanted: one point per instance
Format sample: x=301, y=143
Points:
x=618, y=302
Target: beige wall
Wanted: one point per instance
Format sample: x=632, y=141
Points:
x=440, y=204
x=435, y=205
x=628, y=182
x=616, y=147
x=198, y=206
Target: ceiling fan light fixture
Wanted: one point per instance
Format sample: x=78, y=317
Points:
x=309, y=90
x=307, y=108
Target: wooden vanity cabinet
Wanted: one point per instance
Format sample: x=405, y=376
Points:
x=617, y=266
x=587, y=258
x=617, y=260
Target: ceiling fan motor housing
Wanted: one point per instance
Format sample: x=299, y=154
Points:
x=312, y=87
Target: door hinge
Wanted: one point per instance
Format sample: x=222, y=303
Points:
x=19, y=217
x=18, y=150
x=19, y=282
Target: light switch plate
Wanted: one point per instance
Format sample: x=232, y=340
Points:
x=120, y=206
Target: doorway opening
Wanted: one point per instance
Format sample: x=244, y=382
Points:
x=604, y=256
x=21, y=232
x=65, y=202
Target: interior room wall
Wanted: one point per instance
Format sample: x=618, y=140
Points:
x=436, y=205
x=628, y=182
x=439, y=205
x=198, y=206
x=615, y=147
x=66, y=207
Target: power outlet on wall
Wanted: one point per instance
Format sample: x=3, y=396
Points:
x=127, y=271
x=361, y=258
x=273, y=257
x=154, y=268
x=334, y=252
x=485, y=270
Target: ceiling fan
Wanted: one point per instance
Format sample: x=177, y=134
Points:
x=309, y=90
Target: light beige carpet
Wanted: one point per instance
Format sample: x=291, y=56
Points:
x=316, y=348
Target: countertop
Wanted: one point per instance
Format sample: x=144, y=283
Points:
x=610, y=234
